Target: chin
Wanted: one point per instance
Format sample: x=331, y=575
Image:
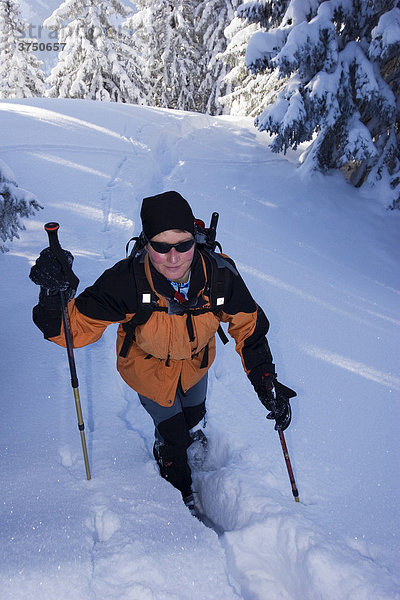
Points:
x=176, y=274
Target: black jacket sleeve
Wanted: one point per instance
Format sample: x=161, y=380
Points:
x=108, y=300
x=248, y=325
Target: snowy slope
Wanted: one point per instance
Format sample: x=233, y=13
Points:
x=322, y=260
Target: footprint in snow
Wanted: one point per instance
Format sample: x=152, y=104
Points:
x=103, y=524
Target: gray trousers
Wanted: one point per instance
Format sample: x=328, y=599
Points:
x=172, y=432
x=194, y=397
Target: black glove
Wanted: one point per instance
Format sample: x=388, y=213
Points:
x=278, y=405
x=49, y=274
x=272, y=395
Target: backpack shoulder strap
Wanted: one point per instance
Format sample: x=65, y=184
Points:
x=146, y=303
x=218, y=268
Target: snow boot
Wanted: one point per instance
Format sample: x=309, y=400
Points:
x=197, y=451
x=173, y=465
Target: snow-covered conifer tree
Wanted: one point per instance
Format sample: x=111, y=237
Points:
x=15, y=203
x=97, y=61
x=211, y=19
x=148, y=40
x=166, y=36
x=340, y=58
x=240, y=97
x=248, y=92
x=384, y=52
x=182, y=58
x=20, y=72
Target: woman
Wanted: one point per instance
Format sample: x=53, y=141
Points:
x=169, y=299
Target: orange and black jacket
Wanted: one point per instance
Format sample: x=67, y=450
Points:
x=177, y=342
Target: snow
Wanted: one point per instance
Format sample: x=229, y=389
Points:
x=359, y=144
x=263, y=44
x=320, y=257
x=298, y=10
x=6, y=172
x=386, y=36
x=388, y=28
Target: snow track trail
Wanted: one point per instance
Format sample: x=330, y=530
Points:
x=319, y=257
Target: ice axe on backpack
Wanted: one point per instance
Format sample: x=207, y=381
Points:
x=52, y=232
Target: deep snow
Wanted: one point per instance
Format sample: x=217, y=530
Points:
x=320, y=257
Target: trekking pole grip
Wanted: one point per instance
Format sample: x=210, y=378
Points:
x=52, y=231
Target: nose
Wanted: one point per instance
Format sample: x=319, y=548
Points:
x=173, y=256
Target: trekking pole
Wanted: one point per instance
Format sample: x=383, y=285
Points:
x=286, y=393
x=52, y=229
x=289, y=466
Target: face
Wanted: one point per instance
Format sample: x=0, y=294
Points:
x=173, y=265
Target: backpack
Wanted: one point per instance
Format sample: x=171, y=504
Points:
x=216, y=284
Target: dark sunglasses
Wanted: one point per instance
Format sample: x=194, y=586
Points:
x=164, y=248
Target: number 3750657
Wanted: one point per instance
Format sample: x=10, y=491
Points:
x=41, y=47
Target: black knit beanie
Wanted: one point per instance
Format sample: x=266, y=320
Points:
x=166, y=211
